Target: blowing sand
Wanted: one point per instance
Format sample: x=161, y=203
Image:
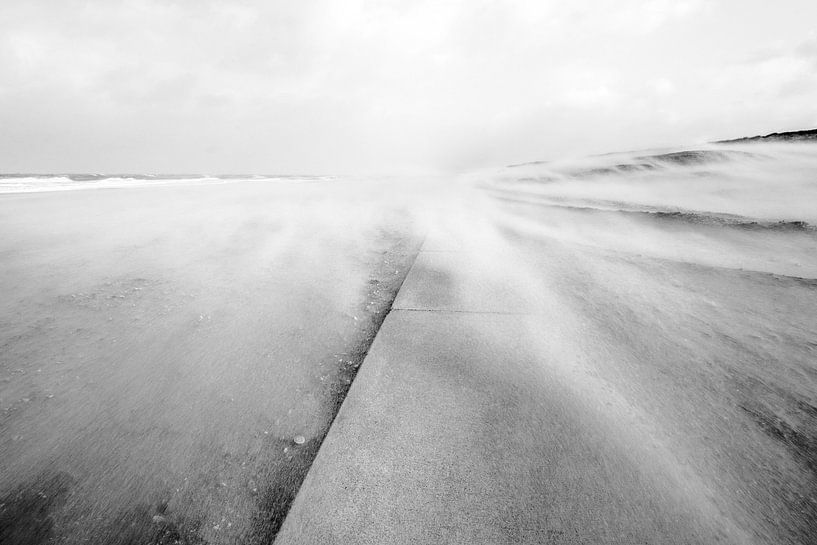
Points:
x=171, y=357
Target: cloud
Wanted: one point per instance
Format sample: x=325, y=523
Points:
x=326, y=86
x=650, y=15
x=776, y=74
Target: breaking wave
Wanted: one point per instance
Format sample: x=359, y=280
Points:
x=28, y=183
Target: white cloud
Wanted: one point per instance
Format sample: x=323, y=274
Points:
x=650, y=15
x=663, y=87
x=361, y=85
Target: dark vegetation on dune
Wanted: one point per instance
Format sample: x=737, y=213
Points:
x=692, y=157
x=808, y=134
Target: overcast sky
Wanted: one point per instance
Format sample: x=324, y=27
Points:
x=379, y=86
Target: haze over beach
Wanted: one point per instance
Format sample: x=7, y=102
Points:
x=452, y=272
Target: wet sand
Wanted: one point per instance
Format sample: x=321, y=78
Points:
x=171, y=357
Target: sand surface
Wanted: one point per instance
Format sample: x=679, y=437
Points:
x=171, y=357
x=613, y=349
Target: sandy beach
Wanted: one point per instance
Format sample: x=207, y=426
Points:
x=612, y=349
x=399, y=273
x=171, y=356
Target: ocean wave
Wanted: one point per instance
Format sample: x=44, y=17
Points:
x=31, y=183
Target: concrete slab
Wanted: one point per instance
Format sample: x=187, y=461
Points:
x=455, y=432
x=465, y=282
x=445, y=238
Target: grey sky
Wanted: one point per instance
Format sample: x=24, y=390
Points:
x=365, y=86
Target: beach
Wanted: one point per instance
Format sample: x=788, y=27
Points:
x=619, y=349
x=614, y=349
x=172, y=355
